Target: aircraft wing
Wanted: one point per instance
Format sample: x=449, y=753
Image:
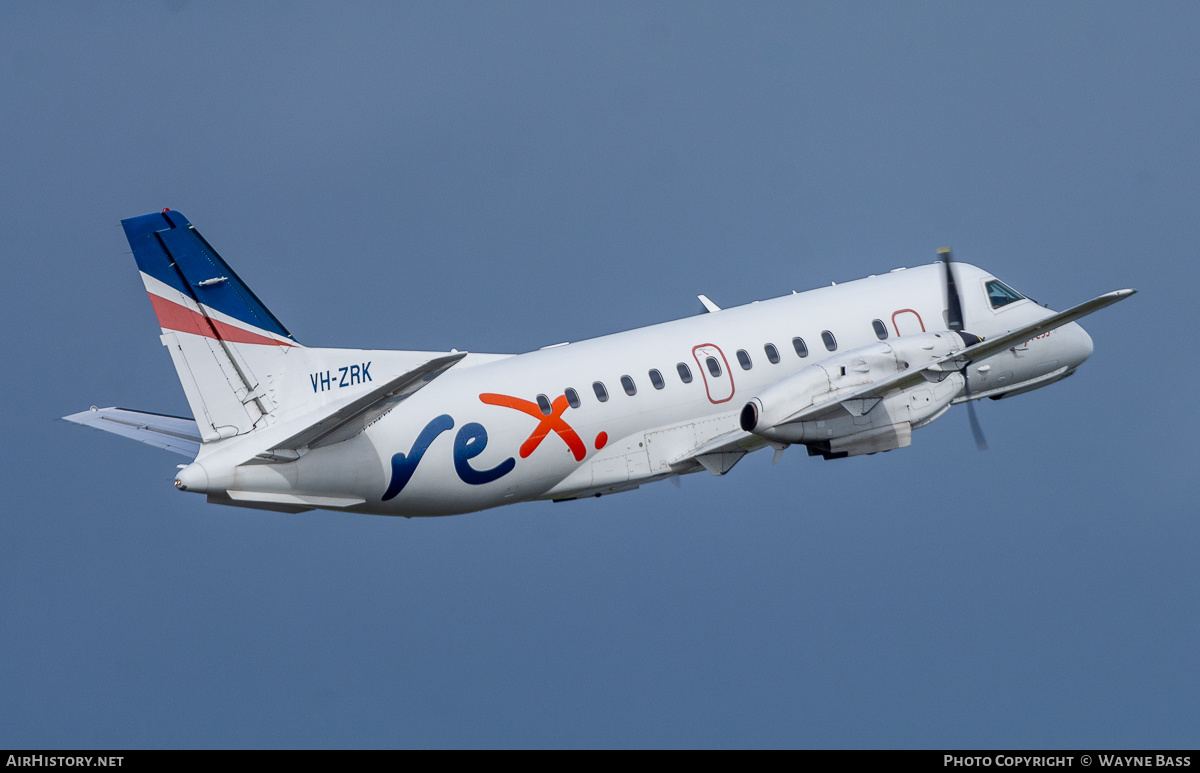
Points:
x=173, y=433
x=1022, y=334
x=353, y=417
x=719, y=454
x=861, y=400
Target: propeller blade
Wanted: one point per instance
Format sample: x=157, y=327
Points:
x=976, y=427
x=953, y=303
x=954, y=317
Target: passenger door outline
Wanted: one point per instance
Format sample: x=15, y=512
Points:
x=717, y=385
x=907, y=322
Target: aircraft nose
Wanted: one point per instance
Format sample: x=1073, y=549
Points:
x=1081, y=347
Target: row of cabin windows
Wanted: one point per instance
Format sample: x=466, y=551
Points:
x=601, y=391
x=714, y=367
x=827, y=338
x=656, y=380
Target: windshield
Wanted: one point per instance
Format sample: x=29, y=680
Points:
x=1001, y=294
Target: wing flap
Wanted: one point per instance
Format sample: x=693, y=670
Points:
x=306, y=501
x=719, y=454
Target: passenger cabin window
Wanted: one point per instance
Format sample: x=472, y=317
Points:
x=830, y=341
x=743, y=360
x=685, y=373
x=800, y=347
x=601, y=392
x=656, y=379
x=572, y=397
x=880, y=329
x=1001, y=294
x=629, y=386
x=772, y=353
x=714, y=367
x=544, y=404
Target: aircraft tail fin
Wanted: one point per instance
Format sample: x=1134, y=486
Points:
x=223, y=340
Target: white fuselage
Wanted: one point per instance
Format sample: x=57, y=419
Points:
x=464, y=442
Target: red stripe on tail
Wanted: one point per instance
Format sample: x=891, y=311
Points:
x=173, y=316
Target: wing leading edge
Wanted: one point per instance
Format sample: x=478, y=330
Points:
x=861, y=400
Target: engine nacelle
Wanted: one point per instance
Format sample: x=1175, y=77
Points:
x=858, y=426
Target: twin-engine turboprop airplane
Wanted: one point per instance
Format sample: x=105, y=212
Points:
x=844, y=370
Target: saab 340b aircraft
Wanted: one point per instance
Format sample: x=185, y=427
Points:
x=843, y=370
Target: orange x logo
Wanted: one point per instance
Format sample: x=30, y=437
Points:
x=554, y=422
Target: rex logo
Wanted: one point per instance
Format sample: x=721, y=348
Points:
x=472, y=439
x=546, y=422
x=468, y=443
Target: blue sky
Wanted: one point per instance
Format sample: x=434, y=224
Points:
x=498, y=177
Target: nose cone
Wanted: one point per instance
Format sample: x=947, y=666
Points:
x=1081, y=346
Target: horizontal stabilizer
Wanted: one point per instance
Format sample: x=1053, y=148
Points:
x=174, y=433
x=352, y=418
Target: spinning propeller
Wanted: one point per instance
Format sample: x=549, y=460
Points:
x=954, y=317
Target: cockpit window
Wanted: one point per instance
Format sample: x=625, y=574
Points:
x=1001, y=294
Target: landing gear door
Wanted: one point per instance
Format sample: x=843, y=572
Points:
x=714, y=369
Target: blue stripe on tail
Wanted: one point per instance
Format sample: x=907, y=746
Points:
x=170, y=249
